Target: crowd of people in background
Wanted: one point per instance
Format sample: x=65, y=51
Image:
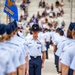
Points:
x=24, y=8
x=51, y=17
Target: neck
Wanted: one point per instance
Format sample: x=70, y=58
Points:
x=35, y=37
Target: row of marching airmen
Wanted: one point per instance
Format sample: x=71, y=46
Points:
x=64, y=50
x=19, y=56
x=13, y=55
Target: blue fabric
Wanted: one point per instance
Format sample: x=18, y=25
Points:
x=35, y=66
x=47, y=46
x=2, y=29
x=12, y=25
x=9, y=29
x=72, y=25
x=56, y=62
x=35, y=27
x=70, y=72
x=11, y=9
x=74, y=28
x=58, y=29
x=15, y=23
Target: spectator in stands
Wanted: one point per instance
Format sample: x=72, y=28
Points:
x=46, y=5
x=52, y=20
x=61, y=3
x=38, y=15
x=47, y=11
x=44, y=12
x=60, y=20
x=42, y=20
x=57, y=3
x=30, y=23
x=24, y=1
x=50, y=14
x=61, y=11
x=43, y=4
x=52, y=7
x=46, y=22
x=28, y=1
x=21, y=17
x=62, y=24
x=40, y=4
x=34, y=19
x=56, y=22
x=22, y=6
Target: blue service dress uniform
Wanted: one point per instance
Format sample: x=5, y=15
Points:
x=47, y=36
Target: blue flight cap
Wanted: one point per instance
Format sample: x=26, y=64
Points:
x=61, y=31
x=12, y=25
x=35, y=27
x=15, y=24
x=72, y=25
x=58, y=29
x=9, y=29
x=2, y=29
x=74, y=28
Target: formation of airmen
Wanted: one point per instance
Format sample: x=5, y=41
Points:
x=64, y=46
x=21, y=55
x=13, y=55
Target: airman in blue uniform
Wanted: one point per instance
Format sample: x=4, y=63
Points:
x=6, y=54
x=47, y=37
x=36, y=48
x=69, y=53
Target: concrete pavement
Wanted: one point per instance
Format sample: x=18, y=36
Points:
x=49, y=68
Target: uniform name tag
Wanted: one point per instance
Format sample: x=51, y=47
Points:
x=38, y=42
x=30, y=43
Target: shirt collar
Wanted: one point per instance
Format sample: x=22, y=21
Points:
x=36, y=39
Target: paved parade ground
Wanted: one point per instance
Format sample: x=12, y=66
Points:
x=49, y=68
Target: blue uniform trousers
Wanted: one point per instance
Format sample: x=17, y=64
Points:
x=56, y=61
x=47, y=46
x=70, y=72
x=35, y=65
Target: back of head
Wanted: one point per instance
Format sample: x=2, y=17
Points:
x=58, y=29
x=61, y=32
x=45, y=29
x=2, y=32
x=70, y=28
x=2, y=29
x=9, y=29
x=73, y=31
x=12, y=25
x=15, y=24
